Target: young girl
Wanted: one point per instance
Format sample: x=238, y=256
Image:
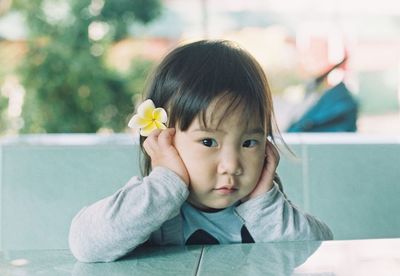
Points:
x=210, y=176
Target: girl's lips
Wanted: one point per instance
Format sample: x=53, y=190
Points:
x=226, y=190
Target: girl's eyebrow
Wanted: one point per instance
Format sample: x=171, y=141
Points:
x=253, y=131
x=207, y=129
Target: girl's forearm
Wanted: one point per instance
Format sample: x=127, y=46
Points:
x=272, y=217
x=114, y=226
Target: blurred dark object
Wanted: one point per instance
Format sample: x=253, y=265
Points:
x=335, y=111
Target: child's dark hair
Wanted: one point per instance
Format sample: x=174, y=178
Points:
x=193, y=75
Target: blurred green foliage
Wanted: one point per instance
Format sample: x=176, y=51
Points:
x=68, y=86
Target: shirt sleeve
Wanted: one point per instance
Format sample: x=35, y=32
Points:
x=114, y=226
x=272, y=217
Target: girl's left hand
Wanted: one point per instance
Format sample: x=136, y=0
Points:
x=265, y=183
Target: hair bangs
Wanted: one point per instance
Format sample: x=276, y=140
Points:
x=227, y=104
x=220, y=72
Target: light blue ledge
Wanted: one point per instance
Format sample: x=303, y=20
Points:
x=350, y=181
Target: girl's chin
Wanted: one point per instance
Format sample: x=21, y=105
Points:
x=210, y=208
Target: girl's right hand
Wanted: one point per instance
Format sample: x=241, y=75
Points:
x=162, y=152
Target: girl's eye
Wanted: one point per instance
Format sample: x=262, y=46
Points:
x=209, y=142
x=250, y=143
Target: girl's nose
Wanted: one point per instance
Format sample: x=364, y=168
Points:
x=229, y=163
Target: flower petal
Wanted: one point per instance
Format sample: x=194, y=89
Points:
x=138, y=122
x=160, y=125
x=160, y=115
x=145, y=131
x=146, y=108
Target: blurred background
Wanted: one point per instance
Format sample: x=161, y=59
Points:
x=79, y=66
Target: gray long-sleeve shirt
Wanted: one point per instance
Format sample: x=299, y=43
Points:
x=150, y=210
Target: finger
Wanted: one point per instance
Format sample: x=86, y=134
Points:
x=165, y=137
x=265, y=170
x=151, y=143
x=147, y=147
x=152, y=139
x=270, y=162
x=155, y=133
x=272, y=154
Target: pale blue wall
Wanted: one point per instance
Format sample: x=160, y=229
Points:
x=349, y=181
x=353, y=185
x=46, y=180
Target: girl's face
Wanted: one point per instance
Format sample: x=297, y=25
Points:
x=224, y=161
